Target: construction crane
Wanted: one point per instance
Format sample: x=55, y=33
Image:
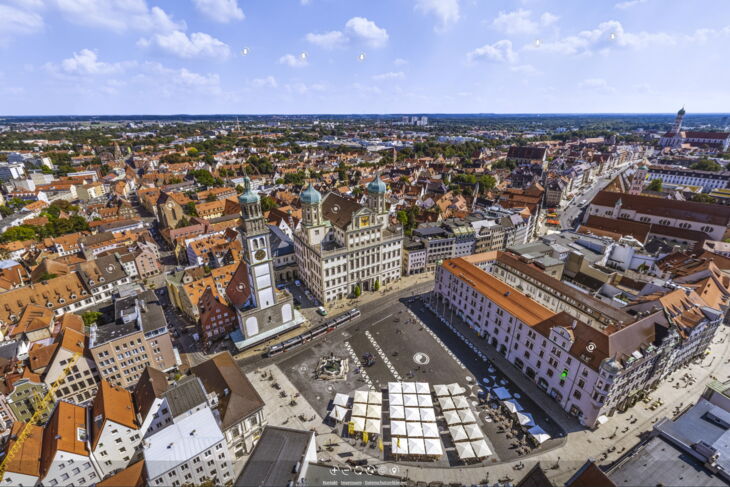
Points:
x=40, y=409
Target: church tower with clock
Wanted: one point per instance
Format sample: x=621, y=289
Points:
x=263, y=310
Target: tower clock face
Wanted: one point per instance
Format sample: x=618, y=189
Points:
x=260, y=254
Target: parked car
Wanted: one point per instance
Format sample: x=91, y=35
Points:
x=322, y=311
x=297, y=283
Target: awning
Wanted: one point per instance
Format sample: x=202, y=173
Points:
x=511, y=407
x=458, y=433
x=452, y=418
x=372, y=426
x=416, y=446
x=441, y=390
x=400, y=446
x=455, y=389
x=360, y=410
x=413, y=414
x=414, y=430
x=422, y=388
x=480, y=448
x=395, y=399
x=467, y=416
x=374, y=411
x=446, y=403
x=394, y=387
x=361, y=397
x=425, y=401
x=427, y=414
x=502, y=393
x=410, y=400
x=339, y=413
x=473, y=432
x=460, y=402
x=358, y=424
x=398, y=428
x=397, y=412
x=465, y=450
x=524, y=419
x=375, y=397
x=409, y=387
x=539, y=434
x=430, y=430
x=433, y=447
x=602, y=419
x=341, y=399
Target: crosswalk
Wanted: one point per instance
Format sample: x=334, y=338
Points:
x=383, y=356
x=356, y=361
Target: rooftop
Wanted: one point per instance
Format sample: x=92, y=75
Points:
x=274, y=458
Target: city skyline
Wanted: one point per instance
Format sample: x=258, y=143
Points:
x=321, y=56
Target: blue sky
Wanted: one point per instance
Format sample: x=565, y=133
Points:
x=304, y=56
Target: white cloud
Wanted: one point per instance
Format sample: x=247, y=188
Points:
x=117, y=15
x=628, y=3
x=305, y=2
x=172, y=82
x=293, y=61
x=267, y=82
x=367, y=31
x=220, y=10
x=86, y=62
x=17, y=21
x=328, y=40
x=526, y=69
x=609, y=35
x=521, y=22
x=500, y=51
x=400, y=62
x=389, y=76
x=446, y=11
x=302, y=88
x=197, y=45
x=599, y=85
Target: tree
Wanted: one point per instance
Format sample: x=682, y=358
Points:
x=210, y=198
x=268, y=203
x=91, y=317
x=702, y=198
x=655, y=185
x=240, y=189
x=706, y=165
x=357, y=292
x=192, y=152
x=376, y=286
x=189, y=209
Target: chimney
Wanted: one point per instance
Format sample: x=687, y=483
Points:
x=575, y=323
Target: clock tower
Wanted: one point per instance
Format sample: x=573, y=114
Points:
x=257, y=251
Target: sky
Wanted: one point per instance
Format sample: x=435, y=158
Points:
x=109, y=57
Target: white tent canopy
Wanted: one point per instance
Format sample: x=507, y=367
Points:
x=397, y=412
x=361, y=397
x=502, y=393
x=452, y=418
x=455, y=389
x=338, y=412
x=410, y=400
x=375, y=397
x=446, y=403
x=400, y=446
x=433, y=447
x=372, y=426
x=398, y=428
x=539, y=434
x=359, y=409
x=394, y=388
x=465, y=450
x=395, y=399
x=441, y=390
x=430, y=430
x=414, y=430
x=480, y=448
x=358, y=424
x=425, y=401
x=511, y=407
x=413, y=414
x=374, y=411
x=458, y=433
x=473, y=432
x=416, y=446
x=460, y=402
x=409, y=387
x=427, y=414
x=341, y=399
x=422, y=388
x=467, y=416
x=524, y=419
